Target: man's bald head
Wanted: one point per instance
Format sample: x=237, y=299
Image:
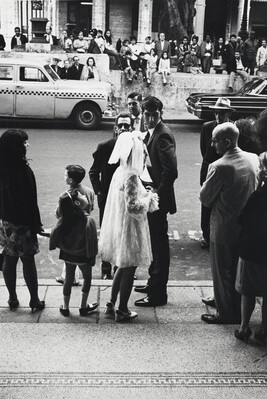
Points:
x=225, y=137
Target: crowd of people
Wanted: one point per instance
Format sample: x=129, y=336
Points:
x=235, y=56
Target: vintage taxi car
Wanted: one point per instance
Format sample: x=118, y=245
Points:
x=250, y=100
x=32, y=90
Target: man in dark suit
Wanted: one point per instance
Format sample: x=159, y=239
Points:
x=134, y=102
x=163, y=172
x=162, y=46
x=64, y=72
x=101, y=172
x=76, y=69
x=55, y=66
x=49, y=37
x=18, y=39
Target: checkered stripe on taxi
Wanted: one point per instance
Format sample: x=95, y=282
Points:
x=52, y=93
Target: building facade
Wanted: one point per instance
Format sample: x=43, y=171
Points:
x=141, y=18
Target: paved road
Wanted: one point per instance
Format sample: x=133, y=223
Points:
x=59, y=144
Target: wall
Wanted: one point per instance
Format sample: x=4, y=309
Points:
x=120, y=19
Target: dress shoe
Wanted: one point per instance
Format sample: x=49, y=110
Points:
x=60, y=280
x=148, y=302
x=209, y=302
x=204, y=244
x=211, y=319
x=243, y=335
x=124, y=316
x=64, y=312
x=13, y=304
x=90, y=308
x=142, y=288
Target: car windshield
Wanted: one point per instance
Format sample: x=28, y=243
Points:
x=250, y=86
x=51, y=72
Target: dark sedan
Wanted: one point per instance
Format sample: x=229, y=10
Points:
x=250, y=100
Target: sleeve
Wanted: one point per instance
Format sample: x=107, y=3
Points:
x=211, y=187
x=203, y=144
x=168, y=161
x=95, y=171
x=160, y=66
x=135, y=206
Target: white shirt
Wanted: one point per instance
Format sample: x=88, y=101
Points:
x=261, y=56
x=137, y=122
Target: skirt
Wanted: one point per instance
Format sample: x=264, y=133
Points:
x=18, y=240
x=251, y=278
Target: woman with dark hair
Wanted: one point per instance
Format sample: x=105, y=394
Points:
x=110, y=50
x=247, y=140
x=90, y=70
x=20, y=218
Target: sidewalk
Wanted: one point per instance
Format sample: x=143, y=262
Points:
x=165, y=352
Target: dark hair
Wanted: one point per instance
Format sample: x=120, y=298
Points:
x=12, y=148
x=232, y=35
x=141, y=54
x=124, y=115
x=135, y=94
x=128, y=52
x=133, y=38
x=17, y=27
x=108, y=38
x=152, y=49
x=164, y=52
x=195, y=37
x=76, y=173
x=185, y=37
x=90, y=58
x=124, y=41
x=100, y=31
x=152, y=104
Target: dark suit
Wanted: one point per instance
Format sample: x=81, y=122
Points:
x=100, y=174
x=74, y=72
x=93, y=48
x=142, y=124
x=163, y=171
x=54, y=39
x=209, y=155
x=64, y=73
x=57, y=69
x=23, y=40
x=166, y=47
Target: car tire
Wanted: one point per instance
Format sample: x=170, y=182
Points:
x=87, y=117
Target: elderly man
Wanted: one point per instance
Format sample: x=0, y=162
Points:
x=101, y=172
x=230, y=181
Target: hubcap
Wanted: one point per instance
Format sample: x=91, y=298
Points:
x=86, y=116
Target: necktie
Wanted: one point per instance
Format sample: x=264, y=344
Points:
x=147, y=137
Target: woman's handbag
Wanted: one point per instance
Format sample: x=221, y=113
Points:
x=217, y=62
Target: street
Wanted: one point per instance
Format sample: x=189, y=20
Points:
x=58, y=144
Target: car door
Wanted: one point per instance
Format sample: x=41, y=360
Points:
x=7, y=90
x=35, y=93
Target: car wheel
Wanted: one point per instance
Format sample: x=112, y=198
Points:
x=87, y=116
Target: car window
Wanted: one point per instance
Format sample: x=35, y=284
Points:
x=31, y=74
x=264, y=90
x=250, y=86
x=6, y=73
x=51, y=72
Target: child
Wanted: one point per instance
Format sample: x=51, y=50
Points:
x=127, y=66
x=151, y=66
x=164, y=67
x=74, y=174
x=76, y=236
x=143, y=65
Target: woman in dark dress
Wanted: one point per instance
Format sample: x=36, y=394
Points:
x=19, y=216
x=251, y=279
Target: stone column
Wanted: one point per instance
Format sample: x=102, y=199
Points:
x=9, y=18
x=99, y=14
x=200, y=19
x=240, y=14
x=145, y=19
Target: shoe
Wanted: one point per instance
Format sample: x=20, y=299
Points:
x=124, y=316
x=209, y=302
x=165, y=84
x=142, y=288
x=13, y=304
x=39, y=305
x=64, y=312
x=109, y=309
x=211, y=319
x=261, y=335
x=243, y=335
x=90, y=308
x=148, y=302
x=204, y=244
x=60, y=280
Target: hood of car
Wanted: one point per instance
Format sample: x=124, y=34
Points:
x=84, y=85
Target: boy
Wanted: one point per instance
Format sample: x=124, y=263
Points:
x=74, y=174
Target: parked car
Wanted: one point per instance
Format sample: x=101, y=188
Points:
x=32, y=90
x=250, y=100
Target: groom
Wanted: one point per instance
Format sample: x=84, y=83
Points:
x=163, y=172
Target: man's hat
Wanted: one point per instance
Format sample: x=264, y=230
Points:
x=222, y=104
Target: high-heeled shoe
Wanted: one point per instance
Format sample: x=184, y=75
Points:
x=38, y=305
x=243, y=335
x=64, y=312
x=261, y=335
x=13, y=303
x=90, y=308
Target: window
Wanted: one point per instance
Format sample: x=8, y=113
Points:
x=6, y=73
x=28, y=74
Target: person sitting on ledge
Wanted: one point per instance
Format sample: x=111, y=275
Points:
x=239, y=70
